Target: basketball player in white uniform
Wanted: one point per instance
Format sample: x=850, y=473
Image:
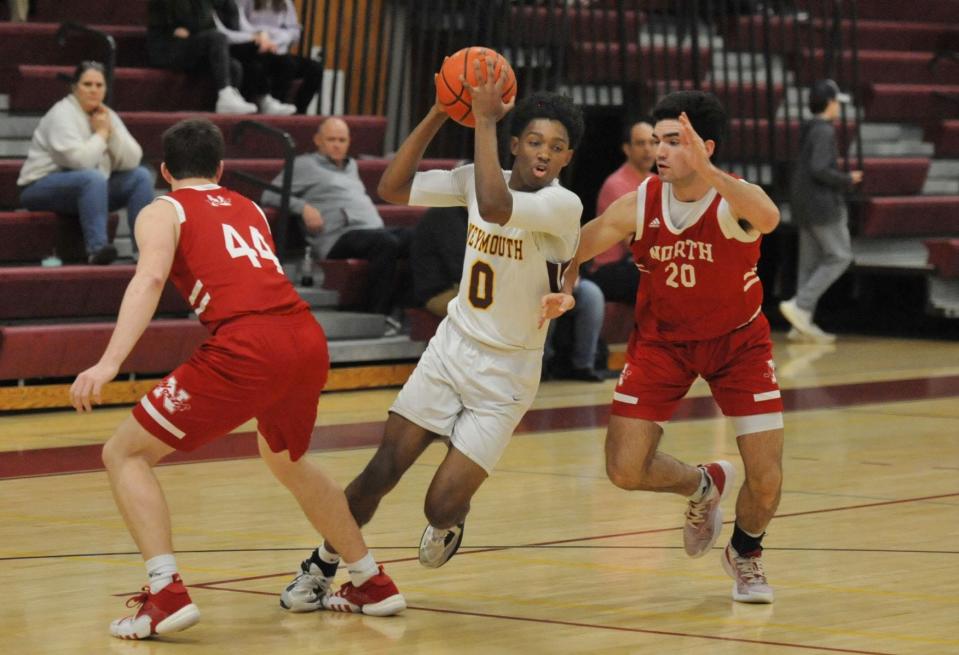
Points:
x=481, y=370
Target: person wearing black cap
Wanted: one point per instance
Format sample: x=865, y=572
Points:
x=819, y=211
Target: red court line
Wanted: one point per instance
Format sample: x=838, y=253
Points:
x=614, y=535
x=86, y=458
x=666, y=633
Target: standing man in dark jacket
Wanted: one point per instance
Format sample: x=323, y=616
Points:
x=819, y=210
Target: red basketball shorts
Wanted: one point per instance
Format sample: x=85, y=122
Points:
x=271, y=368
x=738, y=367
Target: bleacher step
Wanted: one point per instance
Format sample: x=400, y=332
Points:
x=317, y=297
x=345, y=325
x=398, y=348
x=890, y=132
x=17, y=127
x=940, y=187
x=13, y=147
x=903, y=254
x=944, y=297
x=896, y=149
x=944, y=168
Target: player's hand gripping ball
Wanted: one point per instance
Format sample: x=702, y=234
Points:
x=455, y=98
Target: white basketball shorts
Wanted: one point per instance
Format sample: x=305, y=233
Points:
x=470, y=392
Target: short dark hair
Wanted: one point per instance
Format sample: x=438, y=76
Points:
x=822, y=92
x=551, y=106
x=86, y=65
x=704, y=110
x=193, y=148
x=630, y=124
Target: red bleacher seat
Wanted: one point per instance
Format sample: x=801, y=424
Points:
x=52, y=351
x=115, y=12
x=883, y=66
x=871, y=34
x=366, y=133
x=600, y=61
x=944, y=256
x=36, y=88
x=894, y=176
x=349, y=278
x=35, y=292
x=32, y=236
x=947, y=139
x=35, y=43
x=905, y=102
x=909, y=216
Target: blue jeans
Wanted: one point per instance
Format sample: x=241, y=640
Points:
x=587, y=317
x=92, y=196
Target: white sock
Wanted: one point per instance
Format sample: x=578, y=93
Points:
x=160, y=570
x=363, y=569
x=704, y=485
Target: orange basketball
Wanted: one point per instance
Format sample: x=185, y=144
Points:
x=454, y=97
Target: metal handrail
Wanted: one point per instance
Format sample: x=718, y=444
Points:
x=111, y=46
x=289, y=153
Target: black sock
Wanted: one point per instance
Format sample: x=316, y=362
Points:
x=745, y=544
x=328, y=569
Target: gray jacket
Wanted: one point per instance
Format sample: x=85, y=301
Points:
x=816, y=194
x=338, y=194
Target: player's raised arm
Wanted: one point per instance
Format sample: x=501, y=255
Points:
x=397, y=179
x=746, y=201
x=492, y=195
x=617, y=223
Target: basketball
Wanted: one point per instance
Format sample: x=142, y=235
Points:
x=454, y=97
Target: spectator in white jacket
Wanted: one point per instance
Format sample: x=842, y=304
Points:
x=82, y=160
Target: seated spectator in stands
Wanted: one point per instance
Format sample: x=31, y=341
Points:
x=339, y=217
x=253, y=50
x=573, y=339
x=82, y=160
x=614, y=270
x=182, y=35
x=436, y=257
x=276, y=29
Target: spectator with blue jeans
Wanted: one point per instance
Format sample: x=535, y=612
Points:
x=82, y=160
x=587, y=322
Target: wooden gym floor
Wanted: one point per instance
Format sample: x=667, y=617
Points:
x=862, y=555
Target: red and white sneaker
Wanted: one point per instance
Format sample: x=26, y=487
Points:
x=704, y=520
x=749, y=578
x=378, y=596
x=170, y=610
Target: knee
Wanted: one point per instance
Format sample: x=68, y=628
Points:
x=766, y=484
x=623, y=475
x=142, y=178
x=443, y=510
x=93, y=178
x=113, y=454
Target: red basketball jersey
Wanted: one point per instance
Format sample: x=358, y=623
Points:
x=225, y=264
x=697, y=282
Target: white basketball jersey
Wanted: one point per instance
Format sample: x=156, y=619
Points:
x=507, y=268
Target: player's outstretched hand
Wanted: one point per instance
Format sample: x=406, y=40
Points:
x=488, y=93
x=694, y=145
x=554, y=305
x=89, y=386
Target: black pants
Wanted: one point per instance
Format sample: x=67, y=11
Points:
x=617, y=280
x=256, y=81
x=208, y=49
x=382, y=248
x=283, y=69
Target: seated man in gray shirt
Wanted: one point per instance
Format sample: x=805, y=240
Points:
x=340, y=218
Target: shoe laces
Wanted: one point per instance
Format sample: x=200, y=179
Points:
x=750, y=568
x=139, y=599
x=696, y=510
